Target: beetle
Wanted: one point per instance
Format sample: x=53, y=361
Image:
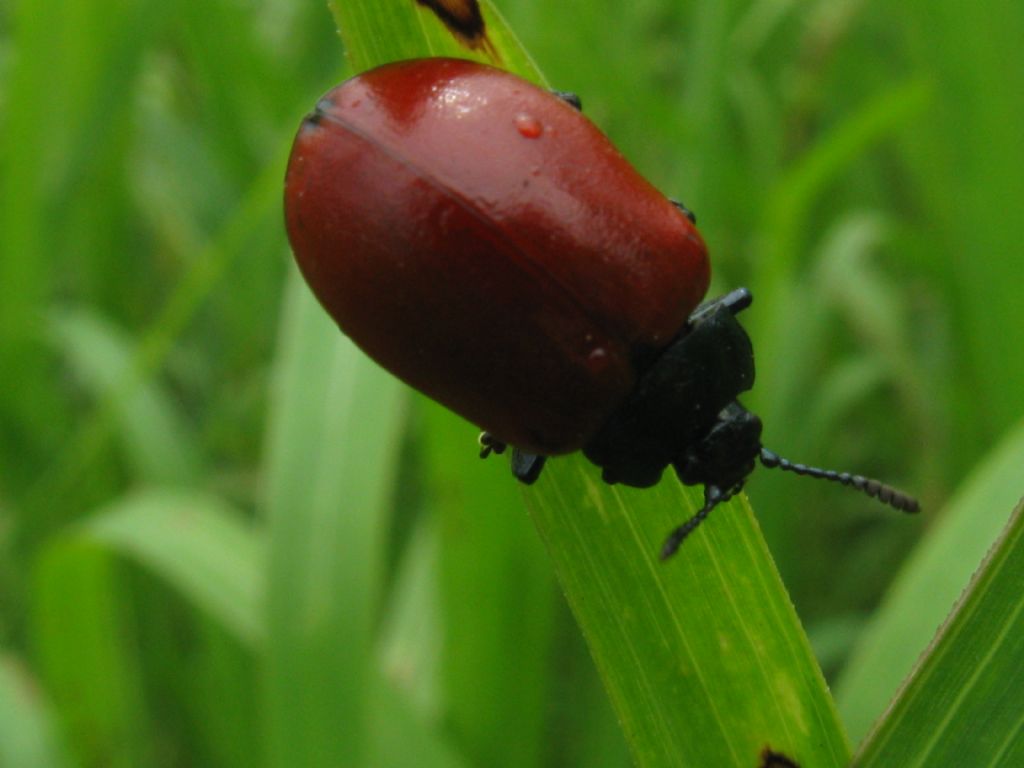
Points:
x=481, y=239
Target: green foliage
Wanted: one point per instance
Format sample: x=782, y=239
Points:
x=27, y=733
x=962, y=705
x=929, y=584
x=705, y=660
x=227, y=539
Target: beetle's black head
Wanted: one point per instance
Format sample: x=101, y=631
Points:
x=726, y=454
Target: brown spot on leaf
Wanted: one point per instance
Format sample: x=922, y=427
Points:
x=772, y=759
x=465, y=22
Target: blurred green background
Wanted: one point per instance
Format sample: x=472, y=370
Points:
x=857, y=164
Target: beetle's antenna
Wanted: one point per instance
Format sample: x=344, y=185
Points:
x=713, y=496
x=873, y=488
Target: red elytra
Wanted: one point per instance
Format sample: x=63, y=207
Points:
x=482, y=240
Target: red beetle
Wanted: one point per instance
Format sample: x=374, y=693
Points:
x=480, y=238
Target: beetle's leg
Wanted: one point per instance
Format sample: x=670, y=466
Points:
x=489, y=444
x=735, y=301
x=526, y=466
x=569, y=98
x=686, y=211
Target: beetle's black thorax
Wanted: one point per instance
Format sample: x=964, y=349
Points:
x=683, y=411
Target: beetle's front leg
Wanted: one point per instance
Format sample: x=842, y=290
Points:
x=490, y=444
x=525, y=466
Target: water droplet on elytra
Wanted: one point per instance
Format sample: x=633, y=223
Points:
x=529, y=126
x=597, y=360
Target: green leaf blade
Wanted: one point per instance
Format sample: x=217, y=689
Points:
x=390, y=30
x=196, y=543
x=88, y=663
x=929, y=585
x=963, y=704
x=29, y=731
x=703, y=656
x=332, y=443
x=498, y=592
x=156, y=438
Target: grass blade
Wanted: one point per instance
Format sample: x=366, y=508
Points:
x=928, y=586
x=389, y=30
x=83, y=646
x=198, y=545
x=498, y=595
x=28, y=729
x=963, y=705
x=331, y=457
x=155, y=436
x=703, y=656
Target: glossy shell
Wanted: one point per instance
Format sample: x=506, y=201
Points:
x=481, y=239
